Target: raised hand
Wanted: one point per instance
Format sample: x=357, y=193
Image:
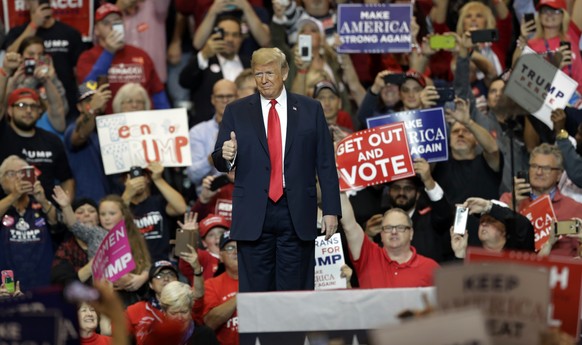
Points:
x=190, y=221
x=61, y=197
x=229, y=148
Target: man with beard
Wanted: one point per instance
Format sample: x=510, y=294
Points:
x=397, y=264
x=431, y=218
x=39, y=148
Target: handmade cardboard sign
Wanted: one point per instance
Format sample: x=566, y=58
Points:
x=514, y=298
x=141, y=137
x=565, y=282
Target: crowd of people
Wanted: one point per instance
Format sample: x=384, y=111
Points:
x=199, y=55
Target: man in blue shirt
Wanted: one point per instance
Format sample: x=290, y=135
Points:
x=203, y=135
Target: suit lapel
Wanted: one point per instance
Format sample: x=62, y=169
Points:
x=256, y=113
x=292, y=120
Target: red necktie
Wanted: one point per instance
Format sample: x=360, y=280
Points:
x=275, y=154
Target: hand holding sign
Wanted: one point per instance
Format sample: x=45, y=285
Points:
x=229, y=148
x=422, y=170
x=558, y=117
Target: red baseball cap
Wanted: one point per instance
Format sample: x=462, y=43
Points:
x=21, y=93
x=105, y=10
x=414, y=75
x=212, y=221
x=557, y=4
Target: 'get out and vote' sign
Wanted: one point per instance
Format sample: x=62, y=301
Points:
x=141, y=137
x=426, y=131
x=373, y=156
x=113, y=258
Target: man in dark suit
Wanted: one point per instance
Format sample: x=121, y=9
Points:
x=277, y=141
x=218, y=59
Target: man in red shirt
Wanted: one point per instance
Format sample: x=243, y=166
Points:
x=546, y=165
x=121, y=63
x=220, y=295
x=395, y=265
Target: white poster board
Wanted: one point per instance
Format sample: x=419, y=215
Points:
x=539, y=87
x=141, y=137
x=329, y=259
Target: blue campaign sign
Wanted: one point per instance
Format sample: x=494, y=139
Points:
x=426, y=131
x=382, y=28
x=36, y=304
x=31, y=328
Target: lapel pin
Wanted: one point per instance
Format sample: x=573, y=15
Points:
x=294, y=108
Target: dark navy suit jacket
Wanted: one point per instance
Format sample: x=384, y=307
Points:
x=308, y=150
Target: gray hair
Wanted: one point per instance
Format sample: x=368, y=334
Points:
x=127, y=91
x=7, y=161
x=176, y=294
x=547, y=149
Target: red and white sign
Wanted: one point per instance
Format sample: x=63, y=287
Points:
x=374, y=156
x=565, y=283
x=541, y=215
x=224, y=208
x=75, y=13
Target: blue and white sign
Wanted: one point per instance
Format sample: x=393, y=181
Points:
x=426, y=131
x=382, y=28
x=31, y=328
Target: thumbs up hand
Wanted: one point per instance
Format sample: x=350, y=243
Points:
x=229, y=148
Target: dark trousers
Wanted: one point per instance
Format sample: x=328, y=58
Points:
x=278, y=260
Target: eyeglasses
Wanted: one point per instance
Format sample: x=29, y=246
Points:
x=223, y=98
x=31, y=106
x=406, y=189
x=398, y=228
x=544, y=168
x=166, y=275
x=549, y=10
x=133, y=101
x=230, y=249
x=10, y=173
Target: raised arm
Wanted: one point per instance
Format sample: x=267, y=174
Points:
x=353, y=230
x=491, y=151
x=176, y=203
x=62, y=198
